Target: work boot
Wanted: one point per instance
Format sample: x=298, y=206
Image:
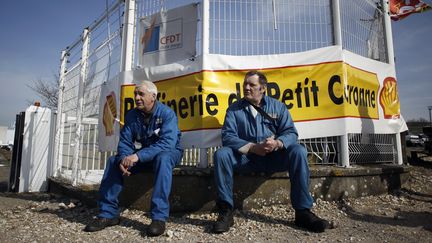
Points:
x=101, y=223
x=308, y=220
x=225, y=219
x=156, y=228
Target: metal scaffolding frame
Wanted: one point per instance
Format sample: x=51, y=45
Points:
x=107, y=47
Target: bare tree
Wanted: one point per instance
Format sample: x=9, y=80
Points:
x=47, y=91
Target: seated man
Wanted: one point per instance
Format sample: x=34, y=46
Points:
x=153, y=127
x=258, y=135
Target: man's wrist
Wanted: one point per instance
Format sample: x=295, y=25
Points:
x=136, y=158
x=252, y=148
x=246, y=148
x=279, y=145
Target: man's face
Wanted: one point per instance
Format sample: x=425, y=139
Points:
x=253, y=90
x=144, y=100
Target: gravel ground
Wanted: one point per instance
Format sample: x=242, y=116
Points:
x=403, y=217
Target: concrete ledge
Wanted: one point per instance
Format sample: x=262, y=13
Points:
x=86, y=194
x=193, y=188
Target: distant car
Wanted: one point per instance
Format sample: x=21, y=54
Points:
x=423, y=137
x=413, y=140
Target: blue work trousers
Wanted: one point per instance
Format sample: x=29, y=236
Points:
x=112, y=184
x=293, y=159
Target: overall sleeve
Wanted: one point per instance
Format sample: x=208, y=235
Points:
x=168, y=136
x=230, y=134
x=126, y=145
x=286, y=130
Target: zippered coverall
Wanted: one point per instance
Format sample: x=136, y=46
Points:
x=157, y=146
x=243, y=125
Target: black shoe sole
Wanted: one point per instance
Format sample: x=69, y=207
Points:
x=316, y=227
x=220, y=230
x=94, y=229
x=156, y=232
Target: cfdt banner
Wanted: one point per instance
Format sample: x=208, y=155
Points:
x=168, y=36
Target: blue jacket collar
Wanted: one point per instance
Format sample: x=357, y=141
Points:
x=264, y=101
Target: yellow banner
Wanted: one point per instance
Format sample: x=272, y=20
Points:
x=126, y=100
x=310, y=92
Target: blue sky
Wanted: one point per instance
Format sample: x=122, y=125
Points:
x=33, y=33
x=412, y=39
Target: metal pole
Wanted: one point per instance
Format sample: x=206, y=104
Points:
x=344, y=151
x=80, y=108
x=205, y=28
x=337, y=28
x=59, y=126
x=430, y=116
x=388, y=32
x=128, y=36
x=205, y=18
x=337, y=35
x=399, y=148
x=391, y=61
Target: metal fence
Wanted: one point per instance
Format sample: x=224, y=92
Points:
x=372, y=148
x=89, y=62
x=259, y=27
x=247, y=27
x=363, y=28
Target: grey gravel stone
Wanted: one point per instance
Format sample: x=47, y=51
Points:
x=402, y=217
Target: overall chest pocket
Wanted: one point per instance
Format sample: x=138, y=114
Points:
x=269, y=127
x=151, y=135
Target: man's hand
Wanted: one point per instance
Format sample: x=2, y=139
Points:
x=268, y=146
x=271, y=144
x=258, y=149
x=128, y=162
x=124, y=170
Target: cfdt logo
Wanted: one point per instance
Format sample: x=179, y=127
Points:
x=165, y=36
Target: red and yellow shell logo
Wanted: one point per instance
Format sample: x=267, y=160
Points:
x=389, y=98
x=109, y=114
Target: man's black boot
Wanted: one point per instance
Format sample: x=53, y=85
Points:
x=156, y=228
x=308, y=220
x=101, y=223
x=225, y=219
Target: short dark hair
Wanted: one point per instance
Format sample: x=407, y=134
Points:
x=261, y=77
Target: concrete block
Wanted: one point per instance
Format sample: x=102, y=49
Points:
x=193, y=188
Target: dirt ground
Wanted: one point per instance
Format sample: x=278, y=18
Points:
x=405, y=216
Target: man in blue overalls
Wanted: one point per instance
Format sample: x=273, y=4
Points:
x=258, y=135
x=149, y=139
